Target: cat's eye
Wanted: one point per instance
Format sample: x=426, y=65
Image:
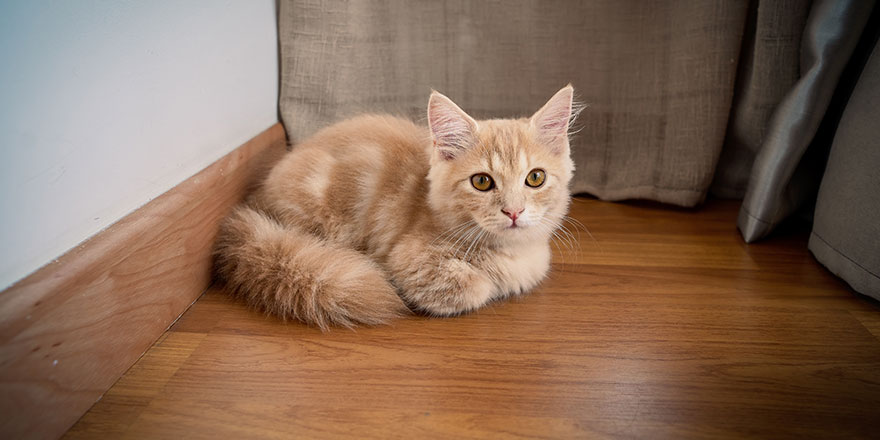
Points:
x=482, y=182
x=536, y=178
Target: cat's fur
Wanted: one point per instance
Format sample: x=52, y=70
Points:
x=375, y=215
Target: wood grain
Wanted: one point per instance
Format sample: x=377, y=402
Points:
x=665, y=326
x=70, y=330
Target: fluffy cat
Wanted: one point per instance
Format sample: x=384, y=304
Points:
x=376, y=216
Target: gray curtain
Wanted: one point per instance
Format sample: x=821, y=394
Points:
x=681, y=95
x=797, y=72
x=846, y=229
x=658, y=76
x=784, y=175
x=768, y=68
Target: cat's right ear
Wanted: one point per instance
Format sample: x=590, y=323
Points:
x=452, y=130
x=552, y=121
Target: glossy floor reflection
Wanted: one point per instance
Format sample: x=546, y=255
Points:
x=663, y=324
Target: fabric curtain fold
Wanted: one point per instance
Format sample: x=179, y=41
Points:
x=846, y=228
x=780, y=179
x=657, y=77
x=769, y=66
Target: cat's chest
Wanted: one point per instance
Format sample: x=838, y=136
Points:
x=520, y=269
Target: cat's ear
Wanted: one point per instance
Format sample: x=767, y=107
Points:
x=452, y=130
x=552, y=120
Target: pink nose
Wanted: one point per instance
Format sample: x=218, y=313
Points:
x=512, y=213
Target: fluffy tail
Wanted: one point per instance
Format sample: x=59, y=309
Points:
x=292, y=274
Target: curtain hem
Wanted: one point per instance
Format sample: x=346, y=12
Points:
x=684, y=197
x=859, y=278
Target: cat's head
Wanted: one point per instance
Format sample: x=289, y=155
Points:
x=509, y=176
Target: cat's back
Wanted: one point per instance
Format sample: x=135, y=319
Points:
x=365, y=131
x=362, y=138
x=338, y=179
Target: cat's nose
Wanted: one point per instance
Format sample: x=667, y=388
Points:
x=513, y=213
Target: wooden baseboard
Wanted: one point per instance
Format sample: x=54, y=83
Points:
x=72, y=328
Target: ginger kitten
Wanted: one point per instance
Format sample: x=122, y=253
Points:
x=376, y=216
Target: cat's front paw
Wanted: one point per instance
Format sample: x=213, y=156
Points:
x=450, y=288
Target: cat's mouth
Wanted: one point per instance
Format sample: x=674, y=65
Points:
x=517, y=228
x=513, y=227
x=507, y=228
x=519, y=224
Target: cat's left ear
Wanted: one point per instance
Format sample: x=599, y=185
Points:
x=452, y=130
x=551, y=121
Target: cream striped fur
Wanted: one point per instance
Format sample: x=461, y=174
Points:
x=376, y=216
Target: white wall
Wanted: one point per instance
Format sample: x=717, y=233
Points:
x=105, y=105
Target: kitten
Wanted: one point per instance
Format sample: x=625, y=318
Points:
x=376, y=216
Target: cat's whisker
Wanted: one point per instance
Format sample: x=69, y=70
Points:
x=451, y=232
x=561, y=254
x=558, y=231
x=463, y=235
x=578, y=224
x=559, y=238
x=481, y=241
x=560, y=234
x=547, y=226
x=468, y=251
x=559, y=248
x=574, y=222
x=569, y=245
x=464, y=231
x=462, y=241
x=574, y=237
x=469, y=246
x=574, y=242
x=477, y=230
x=456, y=233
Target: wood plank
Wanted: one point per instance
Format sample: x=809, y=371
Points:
x=868, y=318
x=627, y=339
x=69, y=330
x=134, y=391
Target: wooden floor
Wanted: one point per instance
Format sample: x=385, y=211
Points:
x=665, y=326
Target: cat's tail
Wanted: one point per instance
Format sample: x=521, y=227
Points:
x=292, y=274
